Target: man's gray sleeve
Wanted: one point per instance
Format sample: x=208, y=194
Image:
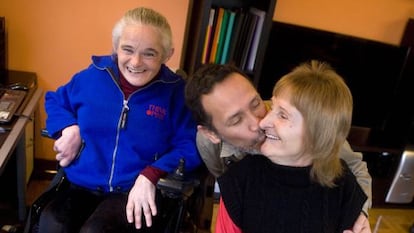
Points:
x=360, y=170
x=210, y=154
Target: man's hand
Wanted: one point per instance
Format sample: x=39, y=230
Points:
x=360, y=226
x=141, y=200
x=68, y=145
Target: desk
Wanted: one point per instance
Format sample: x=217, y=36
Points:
x=14, y=142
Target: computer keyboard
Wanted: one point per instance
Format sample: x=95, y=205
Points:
x=10, y=101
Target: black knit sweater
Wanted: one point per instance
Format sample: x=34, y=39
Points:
x=261, y=197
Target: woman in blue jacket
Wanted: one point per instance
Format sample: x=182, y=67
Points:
x=128, y=112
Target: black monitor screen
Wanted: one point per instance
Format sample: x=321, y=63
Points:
x=372, y=70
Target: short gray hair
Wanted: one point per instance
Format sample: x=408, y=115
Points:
x=144, y=16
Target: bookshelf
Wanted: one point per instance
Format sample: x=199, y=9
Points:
x=227, y=31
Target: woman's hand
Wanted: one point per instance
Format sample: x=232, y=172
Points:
x=68, y=145
x=141, y=201
x=361, y=225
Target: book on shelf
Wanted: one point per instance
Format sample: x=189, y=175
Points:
x=229, y=35
x=222, y=35
x=208, y=37
x=251, y=58
x=216, y=37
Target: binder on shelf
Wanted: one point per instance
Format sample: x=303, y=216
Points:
x=238, y=24
x=252, y=24
x=229, y=35
x=209, y=37
x=241, y=40
x=256, y=37
x=216, y=34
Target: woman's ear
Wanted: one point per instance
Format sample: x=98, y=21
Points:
x=212, y=136
x=168, y=55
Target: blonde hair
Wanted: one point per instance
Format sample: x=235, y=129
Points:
x=325, y=102
x=146, y=16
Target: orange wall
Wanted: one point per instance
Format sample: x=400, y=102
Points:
x=381, y=20
x=55, y=39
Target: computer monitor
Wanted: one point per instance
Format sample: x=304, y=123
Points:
x=402, y=187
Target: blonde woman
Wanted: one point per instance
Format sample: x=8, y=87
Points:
x=300, y=184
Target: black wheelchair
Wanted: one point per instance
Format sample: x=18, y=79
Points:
x=190, y=195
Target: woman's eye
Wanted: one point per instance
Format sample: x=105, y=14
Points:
x=129, y=51
x=149, y=55
x=282, y=115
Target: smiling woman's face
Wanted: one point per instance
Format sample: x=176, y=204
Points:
x=284, y=128
x=140, y=53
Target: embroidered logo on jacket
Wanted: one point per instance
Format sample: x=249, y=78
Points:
x=156, y=111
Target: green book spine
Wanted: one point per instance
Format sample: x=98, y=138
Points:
x=224, y=57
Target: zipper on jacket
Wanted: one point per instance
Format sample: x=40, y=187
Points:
x=125, y=110
x=121, y=125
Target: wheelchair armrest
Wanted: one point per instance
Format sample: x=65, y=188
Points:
x=176, y=188
x=45, y=133
x=176, y=185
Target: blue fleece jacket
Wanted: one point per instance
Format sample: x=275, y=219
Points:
x=152, y=127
